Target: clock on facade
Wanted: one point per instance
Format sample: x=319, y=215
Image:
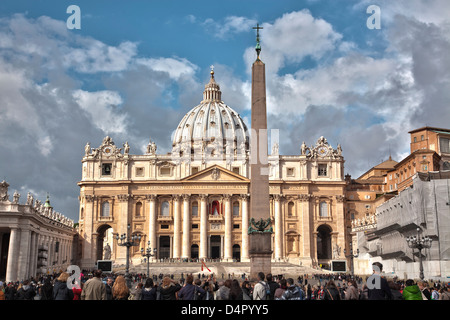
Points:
x=107, y=150
x=323, y=151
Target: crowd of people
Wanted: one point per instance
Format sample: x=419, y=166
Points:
x=100, y=286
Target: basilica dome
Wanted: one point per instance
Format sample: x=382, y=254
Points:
x=212, y=122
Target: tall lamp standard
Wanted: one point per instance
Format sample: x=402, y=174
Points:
x=419, y=244
x=148, y=253
x=351, y=255
x=126, y=241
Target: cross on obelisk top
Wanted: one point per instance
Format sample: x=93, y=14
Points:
x=258, y=46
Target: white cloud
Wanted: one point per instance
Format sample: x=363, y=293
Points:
x=228, y=26
x=102, y=108
x=174, y=67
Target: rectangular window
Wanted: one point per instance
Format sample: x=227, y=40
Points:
x=164, y=226
x=195, y=210
x=235, y=226
x=236, y=170
x=322, y=170
x=106, y=169
x=165, y=172
x=290, y=172
x=194, y=170
x=195, y=226
x=444, y=145
x=139, y=172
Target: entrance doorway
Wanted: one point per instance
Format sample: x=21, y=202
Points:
x=236, y=252
x=194, y=251
x=215, y=247
x=4, y=254
x=164, y=247
x=324, y=242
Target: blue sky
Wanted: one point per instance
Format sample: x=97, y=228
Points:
x=136, y=67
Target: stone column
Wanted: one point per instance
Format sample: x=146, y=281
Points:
x=228, y=229
x=33, y=255
x=245, y=219
x=24, y=254
x=87, y=260
x=278, y=228
x=176, y=226
x=152, y=224
x=305, y=251
x=13, y=255
x=203, y=254
x=186, y=227
x=340, y=218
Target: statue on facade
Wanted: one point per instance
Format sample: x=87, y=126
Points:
x=126, y=148
x=151, y=147
x=336, y=251
x=16, y=197
x=107, y=252
x=29, y=199
x=303, y=148
x=87, y=149
x=275, y=149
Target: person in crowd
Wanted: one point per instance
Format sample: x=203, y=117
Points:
x=108, y=286
x=395, y=290
x=292, y=292
x=60, y=289
x=378, y=288
x=210, y=286
x=25, y=291
x=46, y=290
x=331, y=292
x=272, y=285
x=120, y=290
x=94, y=288
x=169, y=289
x=261, y=288
x=224, y=290
x=444, y=294
x=236, y=292
x=423, y=286
x=77, y=289
x=411, y=291
x=280, y=290
x=247, y=290
x=351, y=293
x=434, y=293
x=149, y=291
x=136, y=293
x=190, y=289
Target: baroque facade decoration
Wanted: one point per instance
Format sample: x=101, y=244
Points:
x=193, y=203
x=34, y=238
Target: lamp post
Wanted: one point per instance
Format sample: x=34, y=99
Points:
x=351, y=255
x=125, y=240
x=419, y=244
x=148, y=253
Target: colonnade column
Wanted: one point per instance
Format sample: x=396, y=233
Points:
x=245, y=218
x=186, y=227
x=278, y=228
x=203, y=254
x=13, y=253
x=24, y=255
x=176, y=226
x=152, y=223
x=228, y=254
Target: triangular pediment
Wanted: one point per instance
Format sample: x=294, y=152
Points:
x=215, y=173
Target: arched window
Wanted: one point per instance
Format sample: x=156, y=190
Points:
x=291, y=209
x=138, y=209
x=195, y=209
x=165, y=212
x=105, y=209
x=323, y=209
x=82, y=213
x=236, y=209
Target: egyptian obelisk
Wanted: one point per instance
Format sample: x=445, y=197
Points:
x=260, y=241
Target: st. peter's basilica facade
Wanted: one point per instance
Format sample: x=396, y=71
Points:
x=194, y=201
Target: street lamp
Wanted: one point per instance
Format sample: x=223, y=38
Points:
x=351, y=255
x=148, y=253
x=419, y=244
x=126, y=241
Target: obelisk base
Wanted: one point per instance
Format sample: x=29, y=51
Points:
x=260, y=254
